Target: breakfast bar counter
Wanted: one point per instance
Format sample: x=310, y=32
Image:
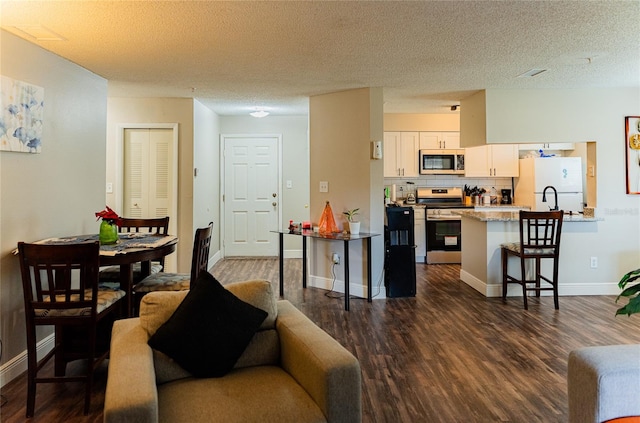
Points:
x=484, y=231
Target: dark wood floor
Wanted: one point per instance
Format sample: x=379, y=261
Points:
x=447, y=355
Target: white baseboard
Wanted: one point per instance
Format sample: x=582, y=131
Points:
x=293, y=254
x=514, y=290
x=213, y=260
x=18, y=364
x=355, y=290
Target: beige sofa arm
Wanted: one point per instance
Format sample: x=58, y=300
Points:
x=323, y=367
x=131, y=394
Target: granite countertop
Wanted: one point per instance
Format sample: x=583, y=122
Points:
x=488, y=207
x=513, y=216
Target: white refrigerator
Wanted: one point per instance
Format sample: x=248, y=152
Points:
x=562, y=173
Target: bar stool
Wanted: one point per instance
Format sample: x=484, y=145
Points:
x=539, y=239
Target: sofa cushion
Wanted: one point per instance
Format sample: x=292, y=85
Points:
x=209, y=330
x=255, y=394
x=263, y=350
x=157, y=307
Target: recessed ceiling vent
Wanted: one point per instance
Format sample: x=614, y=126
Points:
x=531, y=73
x=39, y=32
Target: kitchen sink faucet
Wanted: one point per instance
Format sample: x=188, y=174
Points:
x=555, y=197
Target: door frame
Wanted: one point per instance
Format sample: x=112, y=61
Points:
x=119, y=166
x=223, y=217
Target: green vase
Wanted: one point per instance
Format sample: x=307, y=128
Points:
x=108, y=233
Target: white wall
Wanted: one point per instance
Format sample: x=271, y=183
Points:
x=54, y=193
x=597, y=115
x=295, y=163
x=342, y=126
x=206, y=185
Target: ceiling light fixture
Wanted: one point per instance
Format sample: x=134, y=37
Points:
x=531, y=73
x=259, y=113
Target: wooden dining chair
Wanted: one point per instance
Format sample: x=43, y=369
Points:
x=539, y=239
x=179, y=281
x=159, y=225
x=60, y=284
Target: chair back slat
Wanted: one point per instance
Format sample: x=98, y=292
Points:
x=540, y=230
x=156, y=225
x=57, y=277
x=200, y=257
x=159, y=225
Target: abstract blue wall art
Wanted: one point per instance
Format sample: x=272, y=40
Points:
x=22, y=109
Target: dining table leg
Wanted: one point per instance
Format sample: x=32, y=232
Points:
x=304, y=261
x=346, y=275
x=281, y=264
x=369, y=282
x=126, y=284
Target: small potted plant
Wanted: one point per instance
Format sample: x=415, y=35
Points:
x=632, y=292
x=354, y=225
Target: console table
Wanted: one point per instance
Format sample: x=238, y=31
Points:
x=345, y=238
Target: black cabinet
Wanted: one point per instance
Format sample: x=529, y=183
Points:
x=400, y=256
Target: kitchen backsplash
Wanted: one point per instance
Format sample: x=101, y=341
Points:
x=445, y=181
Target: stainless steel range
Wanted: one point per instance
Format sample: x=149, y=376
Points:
x=443, y=228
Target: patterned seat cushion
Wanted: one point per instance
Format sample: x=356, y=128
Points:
x=112, y=273
x=164, y=282
x=106, y=297
x=516, y=248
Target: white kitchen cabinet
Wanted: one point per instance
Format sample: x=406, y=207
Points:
x=401, y=154
x=439, y=140
x=420, y=234
x=496, y=160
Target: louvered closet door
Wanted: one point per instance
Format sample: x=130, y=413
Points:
x=148, y=172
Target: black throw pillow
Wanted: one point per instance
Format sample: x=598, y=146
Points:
x=209, y=330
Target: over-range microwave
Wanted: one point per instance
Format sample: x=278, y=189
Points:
x=441, y=162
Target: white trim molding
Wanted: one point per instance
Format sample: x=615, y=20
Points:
x=18, y=364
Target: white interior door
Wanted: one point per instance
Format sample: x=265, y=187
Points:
x=251, y=195
x=148, y=173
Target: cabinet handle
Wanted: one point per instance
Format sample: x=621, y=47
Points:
x=444, y=144
x=399, y=172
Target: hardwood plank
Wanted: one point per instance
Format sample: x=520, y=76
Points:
x=449, y=354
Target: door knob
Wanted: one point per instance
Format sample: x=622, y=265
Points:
x=274, y=204
x=274, y=195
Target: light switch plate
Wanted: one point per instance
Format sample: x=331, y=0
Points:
x=324, y=186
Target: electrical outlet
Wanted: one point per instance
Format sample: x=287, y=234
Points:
x=324, y=186
x=594, y=262
x=335, y=258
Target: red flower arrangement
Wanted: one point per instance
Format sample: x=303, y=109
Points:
x=109, y=216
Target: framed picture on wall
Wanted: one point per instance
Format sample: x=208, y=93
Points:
x=21, y=114
x=632, y=153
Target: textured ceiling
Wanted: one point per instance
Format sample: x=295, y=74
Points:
x=427, y=55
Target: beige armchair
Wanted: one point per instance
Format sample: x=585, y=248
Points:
x=292, y=371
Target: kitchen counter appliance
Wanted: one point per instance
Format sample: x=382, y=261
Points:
x=400, y=258
x=443, y=227
x=441, y=162
x=563, y=174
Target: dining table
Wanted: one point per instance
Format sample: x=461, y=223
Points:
x=131, y=248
